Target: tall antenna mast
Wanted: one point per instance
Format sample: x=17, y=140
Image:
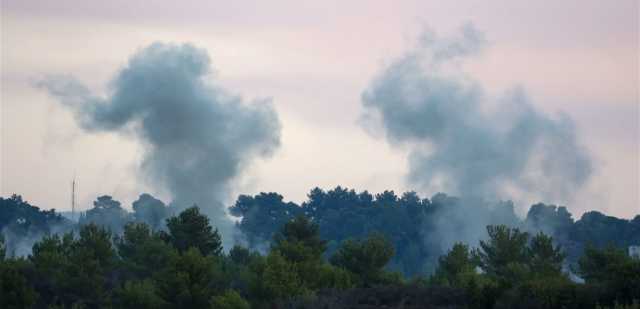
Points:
x=73, y=198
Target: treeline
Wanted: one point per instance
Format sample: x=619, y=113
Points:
x=186, y=267
x=422, y=229
x=22, y=224
x=339, y=249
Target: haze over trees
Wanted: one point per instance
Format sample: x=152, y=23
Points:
x=339, y=249
x=422, y=229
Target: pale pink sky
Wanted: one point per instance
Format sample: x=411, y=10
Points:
x=314, y=60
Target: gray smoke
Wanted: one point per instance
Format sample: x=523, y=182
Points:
x=197, y=136
x=464, y=141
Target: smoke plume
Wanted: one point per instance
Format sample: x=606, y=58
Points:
x=463, y=141
x=196, y=135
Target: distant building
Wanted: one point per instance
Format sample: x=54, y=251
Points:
x=634, y=252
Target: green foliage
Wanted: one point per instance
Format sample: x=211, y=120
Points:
x=230, y=299
x=138, y=294
x=95, y=244
x=456, y=268
x=415, y=225
x=545, y=258
x=300, y=240
x=329, y=276
x=15, y=290
x=552, y=292
x=75, y=270
x=190, y=229
x=263, y=216
x=365, y=258
x=597, y=264
x=186, y=268
x=517, y=272
x=280, y=279
x=617, y=273
x=142, y=252
x=186, y=281
x=240, y=255
x=407, y=221
x=505, y=254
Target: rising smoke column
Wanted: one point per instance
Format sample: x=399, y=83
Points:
x=458, y=142
x=197, y=137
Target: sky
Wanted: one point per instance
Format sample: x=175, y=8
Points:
x=313, y=60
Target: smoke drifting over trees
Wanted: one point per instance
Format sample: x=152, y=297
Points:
x=22, y=224
x=197, y=136
x=341, y=250
x=461, y=139
x=422, y=229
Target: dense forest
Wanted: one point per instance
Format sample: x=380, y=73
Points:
x=338, y=249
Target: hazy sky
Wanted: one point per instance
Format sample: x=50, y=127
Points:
x=313, y=60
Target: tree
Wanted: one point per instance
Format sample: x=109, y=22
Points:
x=365, y=258
x=456, y=267
x=187, y=281
x=50, y=259
x=280, y=279
x=150, y=210
x=549, y=219
x=545, y=258
x=616, y=273
x=138, y=294
x=23, y=224
x=230, y=299
x=15, y=291
x=95, y=243
x=91, y=263
x=600, y=230
x=143, y=253
x=411, y=223
x=595, y=264
x=106, y=212
x=183, y=266
x=240, y=255
x=262, y=216
x=504, y=256
x=299, y=243
x=300, y=240
x=70, y=270
x=192, y=229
